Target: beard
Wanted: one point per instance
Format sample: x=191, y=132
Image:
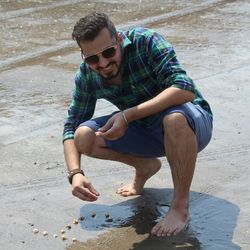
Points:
x=112, y=74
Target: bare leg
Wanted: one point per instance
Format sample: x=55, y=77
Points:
x=96, y=147
x=181, y=150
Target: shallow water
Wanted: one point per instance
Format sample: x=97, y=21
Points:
x=209, y=227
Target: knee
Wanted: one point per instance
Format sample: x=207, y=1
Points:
x=84, y=139
x=175, y=124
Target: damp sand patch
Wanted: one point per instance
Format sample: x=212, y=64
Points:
x=127, y=238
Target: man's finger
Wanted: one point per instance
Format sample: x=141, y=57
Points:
x=85, y=197
x=106, y=126
x=84, y=194
x=104, y=134
x=93, y=190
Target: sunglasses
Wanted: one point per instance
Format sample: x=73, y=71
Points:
x=107, y=53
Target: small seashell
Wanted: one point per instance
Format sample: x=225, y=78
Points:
x=62, y=231
x=35, y=230
x=64, y=237
x=75, y=221
x=81, y=218
x=109, y=219
x=45, y=233
x=55, y=236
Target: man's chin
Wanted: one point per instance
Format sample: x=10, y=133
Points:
x=110, y=76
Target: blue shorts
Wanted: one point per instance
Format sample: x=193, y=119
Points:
x=149, y=141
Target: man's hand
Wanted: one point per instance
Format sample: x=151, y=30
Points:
x=83, y=189
x=114, y=128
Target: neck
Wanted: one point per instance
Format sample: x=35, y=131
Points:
x=114, y=81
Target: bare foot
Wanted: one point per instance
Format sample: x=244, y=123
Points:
x=142, y=174
x=174, y=222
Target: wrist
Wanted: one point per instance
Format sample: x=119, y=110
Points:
x=73, y=172
x=129, y=114
x=76, y=178
x=124, y=117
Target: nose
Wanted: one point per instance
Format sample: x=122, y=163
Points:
x=103, y=62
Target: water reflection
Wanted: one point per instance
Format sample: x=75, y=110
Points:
x=212, y=224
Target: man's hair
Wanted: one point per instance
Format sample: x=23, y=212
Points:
x=89, y=27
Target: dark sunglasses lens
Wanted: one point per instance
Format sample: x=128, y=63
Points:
x=92, y=59
x=110, y=52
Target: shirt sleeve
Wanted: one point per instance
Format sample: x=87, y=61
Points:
x=81, y=109
x=167, y=68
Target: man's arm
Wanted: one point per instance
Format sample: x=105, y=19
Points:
x=77, y=113
x=167, y=98
x=72, y=156
x=81, y=186
x=116, y=125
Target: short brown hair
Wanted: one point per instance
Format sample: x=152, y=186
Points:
x=88, y=27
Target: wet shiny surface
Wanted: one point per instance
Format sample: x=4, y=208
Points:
x=25, y=25
x=207, y=227
x=37, y=67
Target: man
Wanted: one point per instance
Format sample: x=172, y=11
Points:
x=161, y=113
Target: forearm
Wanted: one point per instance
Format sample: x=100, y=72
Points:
x=167, y=98
x=72, y=156
x=81, y=186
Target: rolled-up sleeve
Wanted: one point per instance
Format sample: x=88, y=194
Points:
x=167, y=68
x=82, y=107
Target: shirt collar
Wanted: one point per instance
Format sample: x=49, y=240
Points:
x=125, y=40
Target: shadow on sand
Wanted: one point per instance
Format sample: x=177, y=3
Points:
x=212, y=223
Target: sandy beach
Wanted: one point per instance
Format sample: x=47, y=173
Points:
x=37, y=69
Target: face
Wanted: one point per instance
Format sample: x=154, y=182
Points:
x=104, y=54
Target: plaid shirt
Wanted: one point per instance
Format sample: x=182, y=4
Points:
x=149, y=65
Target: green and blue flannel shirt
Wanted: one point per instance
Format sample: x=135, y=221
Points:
x=149, y=65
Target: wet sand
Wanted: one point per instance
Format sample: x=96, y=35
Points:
x=37, y=68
